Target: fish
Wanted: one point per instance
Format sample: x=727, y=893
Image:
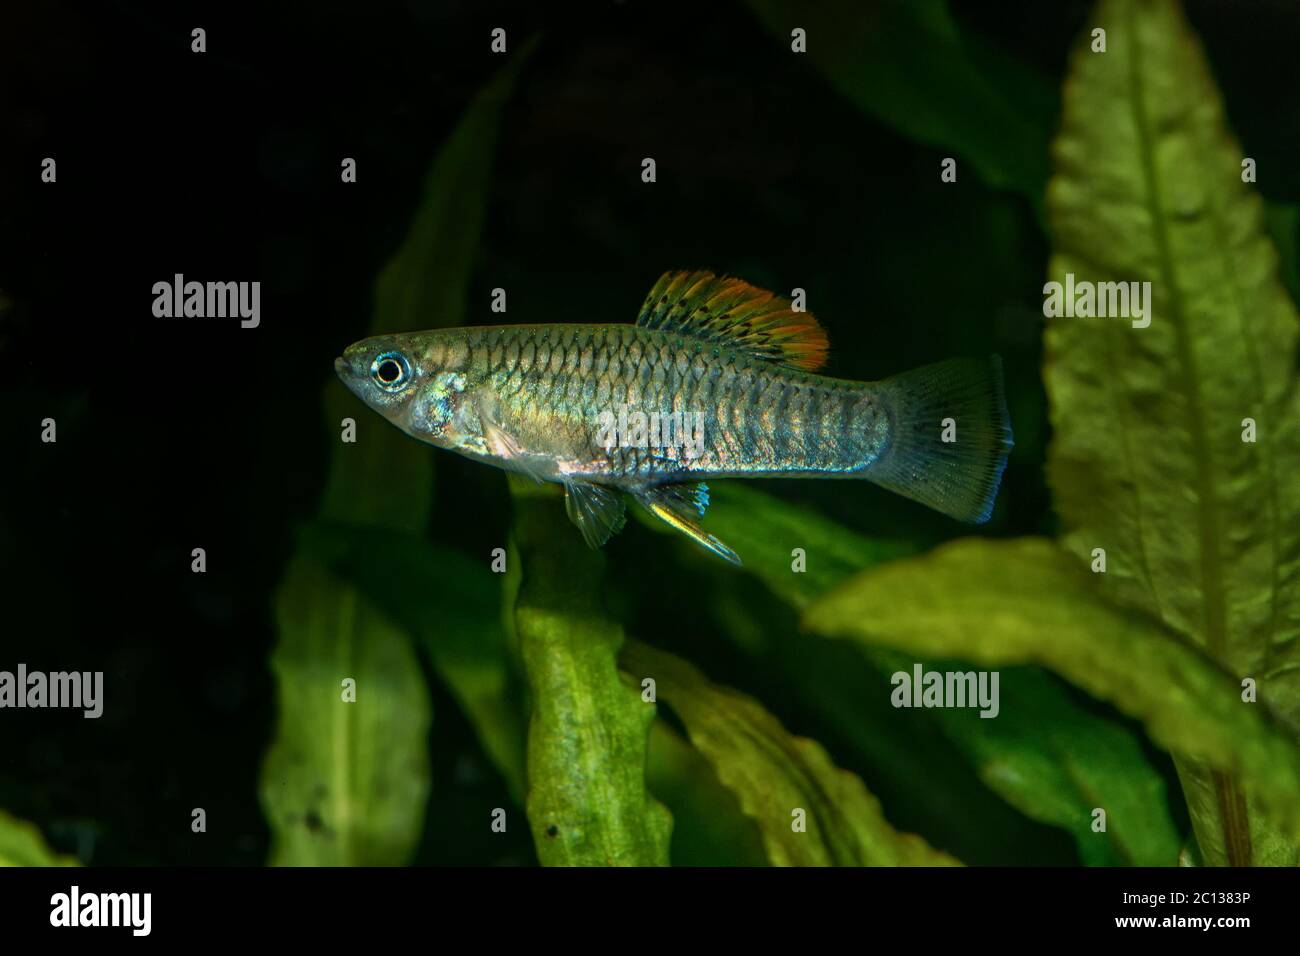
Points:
x=727, y=371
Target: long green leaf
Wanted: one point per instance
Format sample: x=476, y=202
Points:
x=709, y=828
x=1283, y=221
x=809, y=812
x=347, y=782
x=1000, y=603
x=21, y=844
x=424, y=285
x=452, y=604
x=908, y=64
x=1199, y=527
x=1051, y=758
x=587, y=798
x=950, y=780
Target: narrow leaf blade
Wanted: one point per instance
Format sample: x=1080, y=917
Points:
x=808, y=811
x=1027, y=602
x=347, y=783
x=452, y=605
x=907, y=64
x=1050, y=758
x=21, y=844
x=1200, y=525
x=587, y=735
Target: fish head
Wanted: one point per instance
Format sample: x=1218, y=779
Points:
x=418, y=382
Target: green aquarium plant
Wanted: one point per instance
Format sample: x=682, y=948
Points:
x=1164, y=615
x=1174, y=590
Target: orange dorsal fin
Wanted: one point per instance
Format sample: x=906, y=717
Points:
x=732, y=312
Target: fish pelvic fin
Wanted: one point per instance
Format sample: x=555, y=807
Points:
x=597, y=511
x=725, y=311
x=679, y=505
x=950, y=437
x=503, y=446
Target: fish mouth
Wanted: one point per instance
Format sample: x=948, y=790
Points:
x=347, y=374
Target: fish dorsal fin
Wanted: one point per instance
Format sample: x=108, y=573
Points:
x=732, y=312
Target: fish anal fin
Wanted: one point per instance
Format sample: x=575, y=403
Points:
x=729, y=311
x=596, y=510
x=685, y=497
x=679, y=506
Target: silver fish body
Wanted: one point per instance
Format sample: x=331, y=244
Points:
x=706, y=385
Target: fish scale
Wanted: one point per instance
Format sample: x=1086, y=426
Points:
x=739, y=399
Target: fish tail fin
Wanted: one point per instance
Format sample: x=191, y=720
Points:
x=951, y=436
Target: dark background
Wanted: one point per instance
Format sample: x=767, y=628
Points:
x=174, y=434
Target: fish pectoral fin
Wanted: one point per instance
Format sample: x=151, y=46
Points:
x=679, y=506
x=596, y=510
x=501, y=444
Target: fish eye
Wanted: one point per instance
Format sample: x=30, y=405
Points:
x=391, y=371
